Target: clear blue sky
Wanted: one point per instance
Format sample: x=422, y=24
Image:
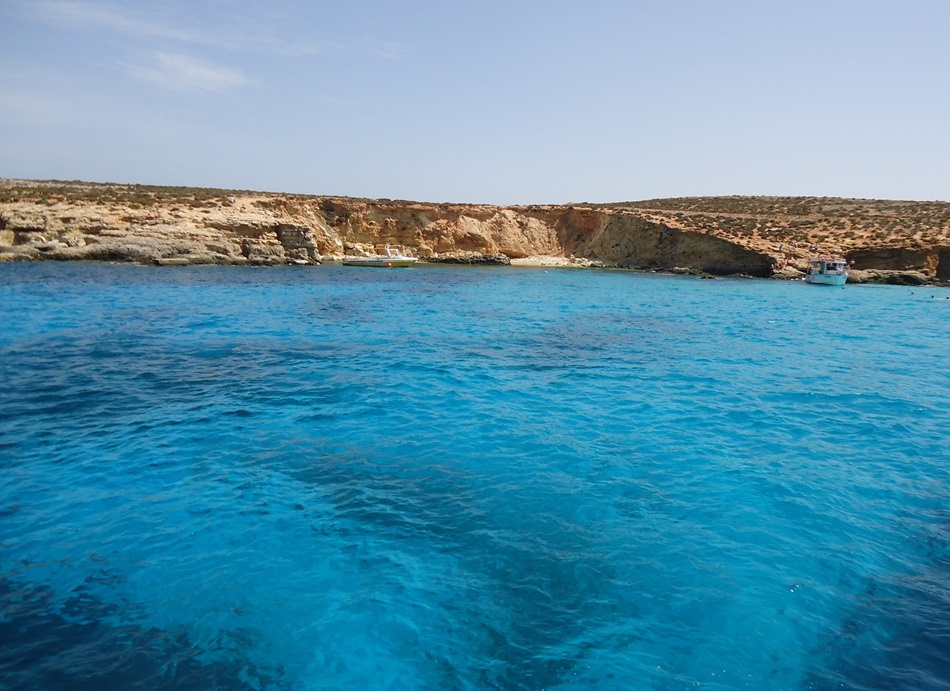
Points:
x=491, y=101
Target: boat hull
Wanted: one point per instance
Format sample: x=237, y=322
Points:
x=383, y=262
x=827, y=279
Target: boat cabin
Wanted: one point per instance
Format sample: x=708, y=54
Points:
x=827, y=265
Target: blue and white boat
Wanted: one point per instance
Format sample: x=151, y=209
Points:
x=827, y=271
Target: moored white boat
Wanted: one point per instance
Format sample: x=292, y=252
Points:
x=827, y=271
x=392, y=258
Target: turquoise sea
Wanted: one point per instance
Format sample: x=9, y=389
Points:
x=470, y=478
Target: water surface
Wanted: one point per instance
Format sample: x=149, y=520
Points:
x=464, y=478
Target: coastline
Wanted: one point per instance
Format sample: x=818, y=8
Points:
x=760, y=237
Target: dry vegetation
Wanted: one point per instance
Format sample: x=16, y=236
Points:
x=50, y=192
x=842, y=224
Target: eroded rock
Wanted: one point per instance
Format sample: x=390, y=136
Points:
x=172, y=228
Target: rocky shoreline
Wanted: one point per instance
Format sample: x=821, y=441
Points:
x=763, y=237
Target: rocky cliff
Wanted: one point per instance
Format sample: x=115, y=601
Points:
x=756, y=236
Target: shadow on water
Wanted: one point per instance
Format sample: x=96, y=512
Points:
x=533, y=584
x=45, y=644
x=897, y=636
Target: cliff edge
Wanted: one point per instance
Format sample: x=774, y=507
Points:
x=754, y=236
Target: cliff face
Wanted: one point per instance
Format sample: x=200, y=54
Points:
x=66, y=221
x=631, y=241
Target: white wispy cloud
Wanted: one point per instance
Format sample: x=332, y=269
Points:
x=79, y=14
x=181, y=72
x=243, y=34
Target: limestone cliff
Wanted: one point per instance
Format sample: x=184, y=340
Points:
x=750, y=236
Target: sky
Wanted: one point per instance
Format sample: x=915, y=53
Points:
x=501, y=102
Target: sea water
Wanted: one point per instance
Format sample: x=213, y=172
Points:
x=470, y=478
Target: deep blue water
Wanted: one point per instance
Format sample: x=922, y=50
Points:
x=462, y=478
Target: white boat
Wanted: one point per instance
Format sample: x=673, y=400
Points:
x=827, y=271
x=391, y=259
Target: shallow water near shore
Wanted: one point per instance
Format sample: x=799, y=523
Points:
x=466, y=478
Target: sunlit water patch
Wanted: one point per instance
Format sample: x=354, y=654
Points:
x=445, y=477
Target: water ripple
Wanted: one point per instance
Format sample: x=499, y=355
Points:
x=468, y=478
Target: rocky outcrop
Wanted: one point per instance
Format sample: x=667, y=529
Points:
x=891, y=276
x=630, y=241
x=942, y=270
x=893, y=258
x=933, y=262
x=788, y=273
x=173, y=227
x=169, y=236
x=275, y=229
x=471, y=258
